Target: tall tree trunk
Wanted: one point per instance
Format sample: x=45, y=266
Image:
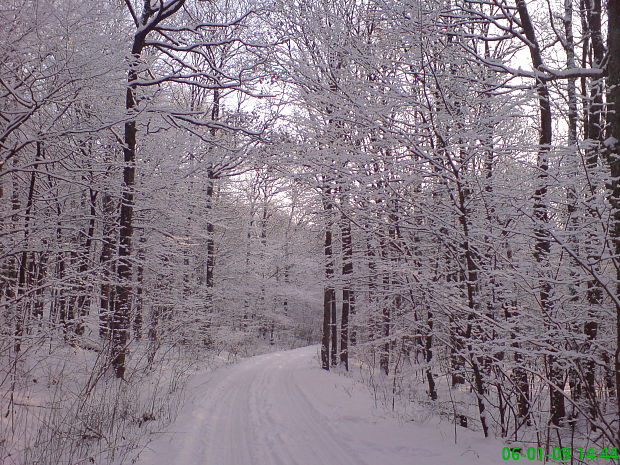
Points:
x=613, y=155
x=210, y=191
x=21, y=317
x=372, y=297
x=347, y=291
x=83, y=298
x=150, y=18
x=521, y=382
x=471, y=285
x=594, y=134
x=329, y=273
x=39, y=277
x=543, y=244
x=210, y=246
x=428, y=354
x=139, y=305
x=108, y=234
x=91, y=232
x=386, y=311
x=12, y=263
x=329, y=295
x=263, y=245
x=119, y=324
x=571, y=192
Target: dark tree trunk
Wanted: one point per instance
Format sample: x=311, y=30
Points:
x=105, y=262
x=613, y=157
x=521, y=381
x=138, y=308
x=594, y=132
x=428, y=355
x=329, y=294
x=326, y=322
x=372, y=291
x=12, y=271
x=571, y=192
x=150, y=18
x=20, y=321
x=210, y=265
x=40, y=272
x=210, y=191
x=333, y=322
x=347, y=292
x=386, y=317
x=121, y=308
x=543, y=244
x=471, y=266
x=84, y=293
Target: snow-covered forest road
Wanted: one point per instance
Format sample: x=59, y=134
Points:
x=282, y=409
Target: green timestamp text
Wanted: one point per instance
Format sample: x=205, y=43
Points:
x=559, y=453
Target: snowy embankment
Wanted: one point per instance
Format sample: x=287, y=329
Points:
x=282, y=409
x=61, y=404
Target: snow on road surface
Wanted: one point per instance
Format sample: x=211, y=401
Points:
x=282, y=409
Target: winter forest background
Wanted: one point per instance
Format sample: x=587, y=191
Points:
x=430, y=188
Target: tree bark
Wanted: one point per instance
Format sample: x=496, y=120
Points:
x=21, y=317
x=121, y=308
x=613, y=156
x=347, y=291
x=428, y=354
x=386, y=311
x=108, y=233
x=329, y=295
x=210, y=190
x=543, y=244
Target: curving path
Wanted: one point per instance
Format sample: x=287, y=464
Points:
x=282, y=409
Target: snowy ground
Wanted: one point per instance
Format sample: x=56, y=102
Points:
x=282, y=409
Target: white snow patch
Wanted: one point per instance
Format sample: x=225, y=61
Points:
x=282, y=409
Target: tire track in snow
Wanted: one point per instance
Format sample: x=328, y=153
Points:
x=281, y=409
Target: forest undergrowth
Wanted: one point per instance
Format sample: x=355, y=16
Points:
x=62, y=403
x=403, y=394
